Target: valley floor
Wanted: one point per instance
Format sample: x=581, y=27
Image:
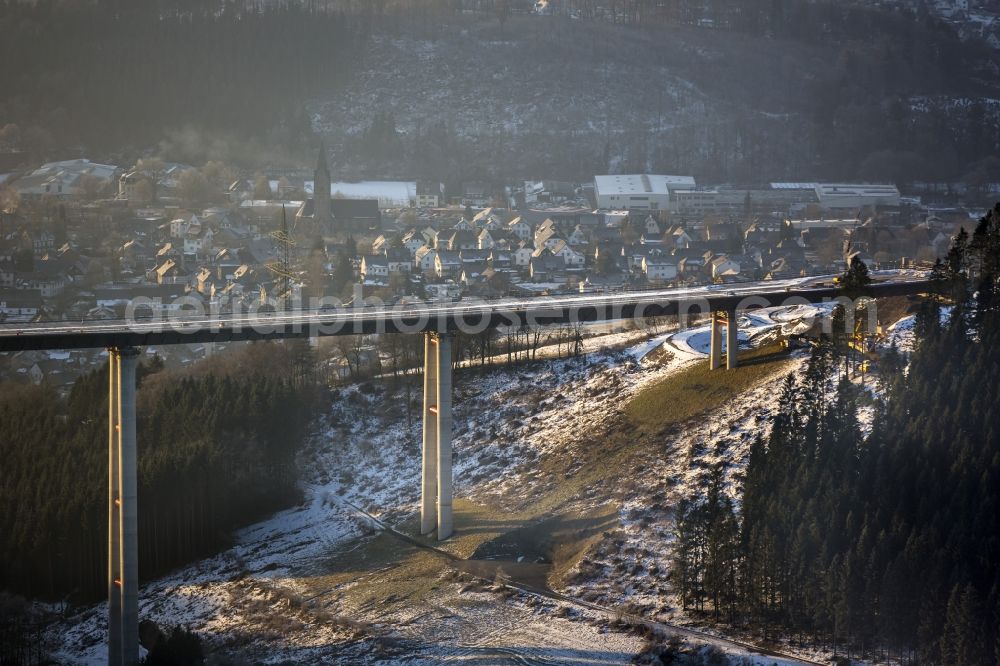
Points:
x=564, y=497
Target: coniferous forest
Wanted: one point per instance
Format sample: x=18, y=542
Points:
x=887, y=543
x=217, y=445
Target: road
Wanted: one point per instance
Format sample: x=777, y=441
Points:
x=465, y=315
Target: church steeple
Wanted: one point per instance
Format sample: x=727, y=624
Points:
x=321, y=191
x=321, y=160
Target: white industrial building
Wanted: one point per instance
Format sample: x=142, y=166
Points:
x=643, y=191
x=704, y=201
x=62, y=179
x=388, y=193
x=725, y=199
x=832, y=196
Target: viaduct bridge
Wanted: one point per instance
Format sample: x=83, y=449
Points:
x=436, y=321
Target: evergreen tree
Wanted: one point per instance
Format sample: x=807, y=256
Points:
x=856, y=279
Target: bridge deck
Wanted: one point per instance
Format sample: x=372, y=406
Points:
x=414, y=318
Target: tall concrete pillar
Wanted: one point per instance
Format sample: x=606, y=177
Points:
x=444, y=481
x=114, y=516
x=123, y=510
x=130, y=509
x=732, y=341
x=429, y=468
x=715, y=351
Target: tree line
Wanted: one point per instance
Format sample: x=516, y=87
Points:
x=216, y=450
x=882, y=545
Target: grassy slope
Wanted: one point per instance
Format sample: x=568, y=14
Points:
x=696, y=389
x=382, y=571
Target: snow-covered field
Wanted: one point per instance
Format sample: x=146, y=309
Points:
x=521, y=434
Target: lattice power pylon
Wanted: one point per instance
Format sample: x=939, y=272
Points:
x=282, y=268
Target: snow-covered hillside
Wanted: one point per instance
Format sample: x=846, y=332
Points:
x=309, y=583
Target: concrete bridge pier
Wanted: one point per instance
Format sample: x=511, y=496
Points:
x=715, y=350
x=123, y=513
x=436, y=474
x=732, y=341
x=428, y=469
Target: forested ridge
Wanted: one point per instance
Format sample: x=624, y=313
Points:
x=887, y=544
x=793, y=88
x=113, y=73
x=787, y=90
x=216, y=450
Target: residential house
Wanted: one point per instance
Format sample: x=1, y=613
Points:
x=460, y=240
x=681, y=238
x=168, y=272
x=651, y=227
x=690, y=261
x=48, y=277
x=477, y=195
x=547, y=231
x=412, y=240
x=40, y=241
x=523, y=253
x=472, y=272
x=429, y=194
x=179, y=226
x=579, y=236
x=474, y=256
x=519, y=228
x=380, y=243
x=570, y=257
x=447, y=263
x=425, y=259
x=430, y=236
x=398, y=260
x=763, y=233
x=206, y=281
x=134, y=255
x=659, y=269
x=501, y=259
x=546, y=267
x=20, y=304
x=356, y=214
x=610, y=256
x=484, y=240
x=487, y=218
x=374, y=268
x=198, y=242
x=724, y=267
x=636, y=255
x=226, y=262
